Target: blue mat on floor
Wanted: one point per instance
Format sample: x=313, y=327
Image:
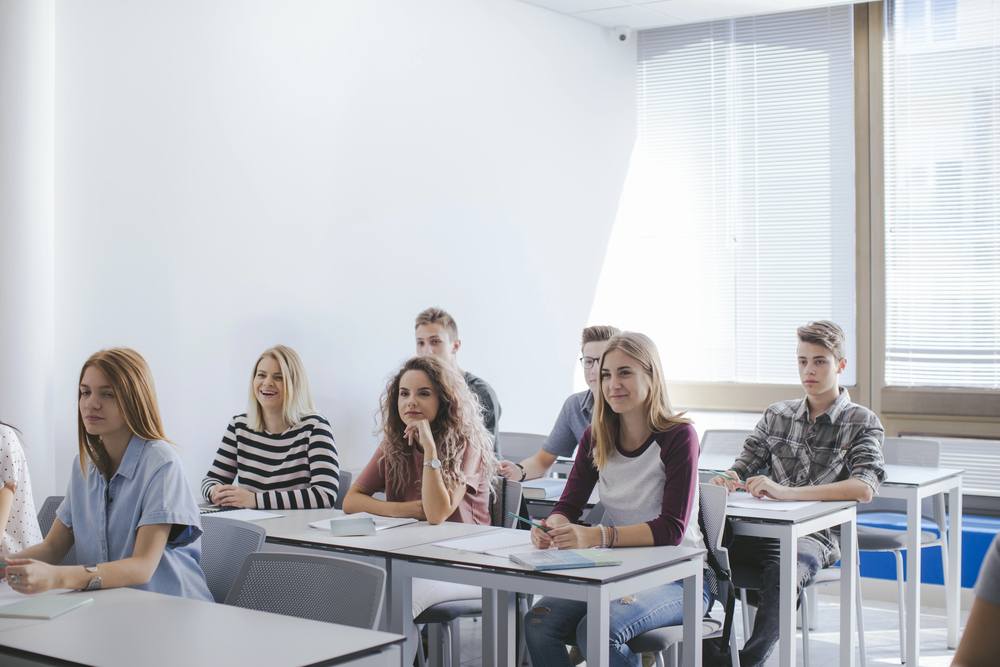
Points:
x=977, y=535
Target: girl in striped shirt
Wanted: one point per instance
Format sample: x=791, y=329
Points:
x=281, y=449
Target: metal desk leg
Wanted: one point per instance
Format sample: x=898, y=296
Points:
x=789, y=555
x=954, y=591
x=693, y=609
x=489, y=627
x=401, y=611
x=913, y=553
x=506, y=629
x=598, y=626
x=848, y=591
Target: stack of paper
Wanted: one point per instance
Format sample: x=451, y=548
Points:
x=381, y=522
x=498, y=543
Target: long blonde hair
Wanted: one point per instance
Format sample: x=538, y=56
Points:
x=132, y=382
x=457, y=426
x=660, y=417
x=297, y=402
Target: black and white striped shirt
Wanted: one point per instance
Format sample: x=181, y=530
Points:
x=297, y=469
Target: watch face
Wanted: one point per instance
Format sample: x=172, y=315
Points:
x=434, y=463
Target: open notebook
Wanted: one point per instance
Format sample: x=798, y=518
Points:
x=501, y=543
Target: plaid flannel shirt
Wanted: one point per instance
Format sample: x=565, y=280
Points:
x=844, y=442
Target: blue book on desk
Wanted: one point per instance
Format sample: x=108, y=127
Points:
x=561, y=559
x=44, y=607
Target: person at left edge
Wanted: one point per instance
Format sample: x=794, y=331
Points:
x=129, y=508
x=281, y=449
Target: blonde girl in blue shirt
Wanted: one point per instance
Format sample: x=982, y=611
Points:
x=129, y=508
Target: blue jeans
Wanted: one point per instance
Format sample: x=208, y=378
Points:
x=553, y=623
x=763, y=552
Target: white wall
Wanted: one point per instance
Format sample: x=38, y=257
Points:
x=27, y=104
x=234, y=174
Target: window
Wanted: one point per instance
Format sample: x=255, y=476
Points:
x=738, y=212
x=942, y=199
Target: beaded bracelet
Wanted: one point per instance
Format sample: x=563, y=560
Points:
x=604, y=536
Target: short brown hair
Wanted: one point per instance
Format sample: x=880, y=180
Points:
x=438, y=316
x=598, y=334
x=825, y=333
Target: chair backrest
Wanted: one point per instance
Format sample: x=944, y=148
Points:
x=320, y=588
x=505, y=496
x=723, y=441
x=224, y=546
x=712, y=503
x=47, y=517
x=910, y=452
x=519, y=446
x=342, y=489
x=595, y=515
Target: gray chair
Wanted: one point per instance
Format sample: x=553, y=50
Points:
x=47, y=517
x=319, y=588
x=668, y=640
x=519, y=446
x=345, y=485
x=225, y=545
x=907, y=452
x=724, y=441
x=442, y=619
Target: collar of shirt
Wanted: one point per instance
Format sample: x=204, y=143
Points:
x=832, y=413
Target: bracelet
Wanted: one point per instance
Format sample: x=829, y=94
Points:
x=523, y=472
x=614, y=535
x=604, y=536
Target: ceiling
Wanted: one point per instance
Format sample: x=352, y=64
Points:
x=640, y=14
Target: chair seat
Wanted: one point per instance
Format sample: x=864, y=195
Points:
x=892, y=520
x=887, y=539
x=827, y=575
x=661, y=639
x=446, y=612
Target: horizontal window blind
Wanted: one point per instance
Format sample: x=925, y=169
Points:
x=942, y=193
x=736, y=223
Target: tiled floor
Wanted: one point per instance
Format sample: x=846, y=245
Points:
x=881, y=635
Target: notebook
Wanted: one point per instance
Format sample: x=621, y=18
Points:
x=498, y=543
x=381, y=522
x=559, y=559
x=44, y=607
x=242, y=514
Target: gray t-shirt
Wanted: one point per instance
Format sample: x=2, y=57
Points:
x=988, y=585
x=491, y=406
x=573, y=420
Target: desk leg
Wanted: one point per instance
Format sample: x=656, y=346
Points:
x=954, y=590
x=848, y=591
x=401, y=611
x=598, y=626
x=506, y=629
x=693, y=611
x=489, y=628
x=786, y=600
x=913, y=553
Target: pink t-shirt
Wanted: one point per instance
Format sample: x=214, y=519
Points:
x=475, y=505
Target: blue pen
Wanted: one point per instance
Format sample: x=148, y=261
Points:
x=530, y=523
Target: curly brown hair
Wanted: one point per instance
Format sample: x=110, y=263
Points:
x=457, y=426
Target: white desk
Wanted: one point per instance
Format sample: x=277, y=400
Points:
x=125, y=627
x=788, y=527
x=913, y=484
x=292, y=533
x=642, y=568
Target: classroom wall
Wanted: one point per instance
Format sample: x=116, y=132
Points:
x=238, y=173
x=27, y=104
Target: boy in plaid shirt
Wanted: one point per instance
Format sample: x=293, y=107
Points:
x=820, y=447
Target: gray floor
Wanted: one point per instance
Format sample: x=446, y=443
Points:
x=881, y=635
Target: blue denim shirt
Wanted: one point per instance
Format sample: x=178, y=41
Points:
x=148, y=488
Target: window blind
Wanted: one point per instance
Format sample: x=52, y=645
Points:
x=942, y=193
x=736, y=223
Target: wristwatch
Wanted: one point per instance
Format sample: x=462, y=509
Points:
x=95, y=583
x=434, y=463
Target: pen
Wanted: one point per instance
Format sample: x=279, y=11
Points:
x=721, y=473
x=530, y=523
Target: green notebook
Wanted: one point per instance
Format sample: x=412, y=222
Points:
x=555, y=559
x=44, y=607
